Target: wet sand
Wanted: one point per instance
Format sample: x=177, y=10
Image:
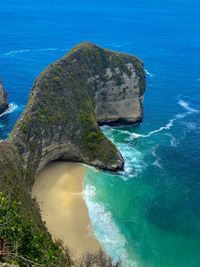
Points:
x=58, y=191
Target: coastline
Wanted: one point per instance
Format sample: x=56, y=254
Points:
x=58, y=191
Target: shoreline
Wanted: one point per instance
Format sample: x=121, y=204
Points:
x=58, y=190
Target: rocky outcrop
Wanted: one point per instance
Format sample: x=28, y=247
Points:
x=3, y=99
x=87, y=86
x=119, y=99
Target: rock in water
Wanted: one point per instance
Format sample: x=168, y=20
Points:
x=89, y=85
x=3, y=99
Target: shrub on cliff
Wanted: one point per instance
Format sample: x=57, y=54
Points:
x=23, y=243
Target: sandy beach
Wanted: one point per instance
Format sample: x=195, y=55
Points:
x=58, y=191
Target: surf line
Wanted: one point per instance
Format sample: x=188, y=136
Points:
x=13, y=53
x=149, y=73
x=12, y=107
x=171, y=122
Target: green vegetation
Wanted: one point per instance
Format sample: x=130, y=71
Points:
x=92, y=139
x=56, y=78
x=91, y=135
x=24, y=243
x=26, y=125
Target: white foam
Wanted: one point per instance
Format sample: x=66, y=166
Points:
x=173, y=140
x=157, y=158
x=149, y=73
x=11, y=108
x=14, y=52
x=134, y=160
x=186, y=106
x=157, y=164
x=21, y=51
x=106, y=230
x=89, y=192
x=191, y=126
x=108, y=131
x=135, y=135
x=171, y=122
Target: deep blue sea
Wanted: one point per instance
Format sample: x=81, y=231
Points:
x=148, y=215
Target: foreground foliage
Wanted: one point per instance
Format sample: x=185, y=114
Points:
x=24, y=244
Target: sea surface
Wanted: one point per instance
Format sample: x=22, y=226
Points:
x=148, y=215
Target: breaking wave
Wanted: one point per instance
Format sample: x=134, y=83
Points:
x=149, y=73
x=11, y=108
x=22, y=51
x=186, y=106
x=170, y=124
x=134, y=159
x=106, y=230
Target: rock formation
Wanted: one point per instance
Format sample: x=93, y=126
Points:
x=3, y=99
x=89, y=85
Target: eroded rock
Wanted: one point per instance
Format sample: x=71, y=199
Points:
x=3, y=99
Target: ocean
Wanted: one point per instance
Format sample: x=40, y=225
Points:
x=149, y=214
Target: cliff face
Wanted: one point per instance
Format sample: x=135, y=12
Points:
x=87, y=86
x=13, y=183
x=3, y=99
x=119, y=98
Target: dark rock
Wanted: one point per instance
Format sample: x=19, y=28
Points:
x=3, y=99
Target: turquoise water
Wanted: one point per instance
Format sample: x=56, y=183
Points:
x=148, y=215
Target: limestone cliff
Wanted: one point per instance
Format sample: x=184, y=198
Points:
x=3, y=99
x=87, y=87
